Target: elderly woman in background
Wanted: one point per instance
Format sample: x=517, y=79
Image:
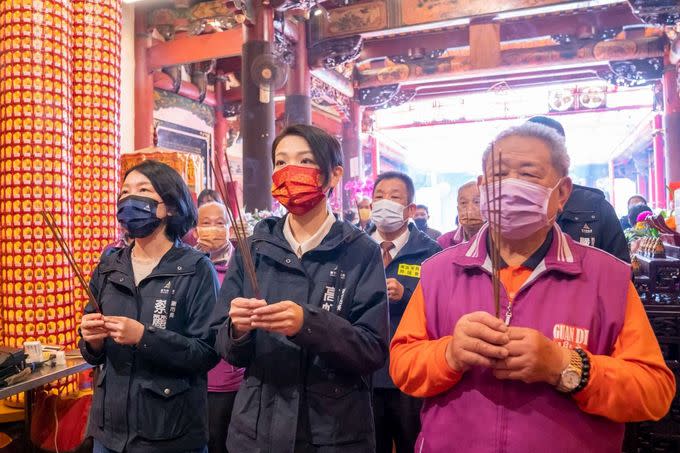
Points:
x=225, y=379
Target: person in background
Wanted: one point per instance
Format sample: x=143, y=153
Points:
x=635, y=200
x=153, y=337
x=318, y=329
x=421, y=216
x=635, y=211
x=404, y=248
x=349, y=215
x=587, y=216
x=225, y=379
x=469, y=216
x=573, y=356
x=364, y=213
x=206, y=196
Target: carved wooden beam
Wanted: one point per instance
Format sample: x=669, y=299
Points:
x=402, y=16
x=613, y=17
x=513, y=60
x=192, y=49
x=335, y=80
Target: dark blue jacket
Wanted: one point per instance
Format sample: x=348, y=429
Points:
x=589, y=219
x=153, y=397
x=314, y=386
x=405, y=267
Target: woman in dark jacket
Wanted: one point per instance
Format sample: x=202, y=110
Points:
x=320, y=328
x=152, y=335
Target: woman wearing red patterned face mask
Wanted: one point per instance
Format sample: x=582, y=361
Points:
x=320, y=323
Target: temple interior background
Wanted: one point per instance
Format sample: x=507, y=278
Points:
x=89, y=88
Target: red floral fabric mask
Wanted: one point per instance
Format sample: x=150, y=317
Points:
x=298, y=188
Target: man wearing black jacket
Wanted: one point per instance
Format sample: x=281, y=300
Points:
x=588, y=217
x=404, y=247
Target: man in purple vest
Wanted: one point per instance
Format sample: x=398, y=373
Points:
x=573, y=356
x=469, y=216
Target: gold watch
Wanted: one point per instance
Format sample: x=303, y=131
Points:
x=571, y=376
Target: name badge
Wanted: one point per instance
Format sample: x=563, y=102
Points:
x=409, y=270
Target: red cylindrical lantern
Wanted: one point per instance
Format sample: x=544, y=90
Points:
x=96, y=58
x=36, y=296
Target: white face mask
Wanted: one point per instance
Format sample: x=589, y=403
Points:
x=388, y=215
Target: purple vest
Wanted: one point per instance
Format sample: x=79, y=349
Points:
x=577, y=296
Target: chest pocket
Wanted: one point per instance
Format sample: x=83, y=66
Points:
x=582, y=226
x=162, y=305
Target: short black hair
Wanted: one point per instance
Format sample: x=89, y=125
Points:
x=635, y=211
x=174, y=193
x=549, y=122
x=208, y=195
x=326, y=149
x=406, y=179
x=422, y=206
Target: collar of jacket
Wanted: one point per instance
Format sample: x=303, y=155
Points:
x=562, y=255
x=270, y=230
x=175, y=262
x=582, y=199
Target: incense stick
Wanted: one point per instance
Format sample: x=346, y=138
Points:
x=56, y=231
x=494, y=200
x=241, y=241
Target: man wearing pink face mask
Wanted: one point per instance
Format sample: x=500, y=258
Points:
x=571, y=356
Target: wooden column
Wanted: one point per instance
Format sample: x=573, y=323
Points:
x=257, y=118
x=671, y=125
x=143, y=83
x=351, y=148
x=485, y=45
x=298, y=100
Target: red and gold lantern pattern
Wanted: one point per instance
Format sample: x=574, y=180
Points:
x=96, y=130
x=35, y=171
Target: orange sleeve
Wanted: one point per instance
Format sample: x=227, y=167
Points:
x=634, y=384
x=418, y=364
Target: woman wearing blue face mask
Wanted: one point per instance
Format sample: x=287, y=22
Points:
x=152, y=337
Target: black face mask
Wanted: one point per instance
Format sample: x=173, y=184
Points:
x=421, y=223
x=138, y=215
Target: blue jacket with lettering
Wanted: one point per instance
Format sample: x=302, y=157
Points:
x=311, y=391
x=405, y=267
x=153, y=397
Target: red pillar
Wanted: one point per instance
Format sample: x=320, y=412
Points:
x=671, y=126
x=642, y=185
x=143, y=83
x=220, y=128
x=658, y=184
x=298, y=100
x=257, y=117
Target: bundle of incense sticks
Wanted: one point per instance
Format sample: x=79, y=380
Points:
x=56, y=231
x=241, y=240
x=493, y=196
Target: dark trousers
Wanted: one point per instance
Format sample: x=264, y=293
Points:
x=397, y=420
x=220, y=405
